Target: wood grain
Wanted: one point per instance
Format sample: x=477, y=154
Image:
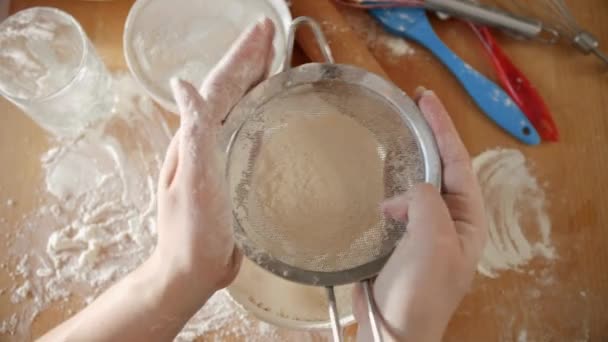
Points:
x=346, y=47
x=566, y=300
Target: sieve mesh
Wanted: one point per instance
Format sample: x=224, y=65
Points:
x=300, y=141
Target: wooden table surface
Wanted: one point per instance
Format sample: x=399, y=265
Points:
x=515, y=306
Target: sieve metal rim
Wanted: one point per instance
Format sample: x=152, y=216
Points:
x=309, y=74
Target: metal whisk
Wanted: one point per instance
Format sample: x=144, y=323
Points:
x=542, y=20
x=582, y=39
x=472, y=11
x=556, y=13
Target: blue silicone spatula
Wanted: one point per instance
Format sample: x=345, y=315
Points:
x=412, y=23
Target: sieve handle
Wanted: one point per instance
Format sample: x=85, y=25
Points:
x=319, y=36
x=336, y=330
x=371, y=310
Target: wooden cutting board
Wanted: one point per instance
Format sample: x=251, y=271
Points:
x=513, y=307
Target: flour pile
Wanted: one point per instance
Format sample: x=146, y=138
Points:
x=96, y=222
x=519, y=226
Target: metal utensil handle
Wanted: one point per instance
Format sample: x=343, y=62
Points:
x=492, y=16
x=371, y=310
x=319, y=36
x=336, y=329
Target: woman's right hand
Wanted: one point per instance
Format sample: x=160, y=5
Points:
x=432, y=268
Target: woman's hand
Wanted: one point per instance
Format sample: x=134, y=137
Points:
x=195, y=236
x=432, y=268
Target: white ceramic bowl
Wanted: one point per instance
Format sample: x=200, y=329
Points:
x=186, y=38
x=283, y=303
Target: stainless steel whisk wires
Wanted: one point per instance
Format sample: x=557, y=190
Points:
x=556, y=14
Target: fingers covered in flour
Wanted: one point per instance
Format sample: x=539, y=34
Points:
x=246, y=63
x=461, y=189
x=167, y=171
x=198, y=150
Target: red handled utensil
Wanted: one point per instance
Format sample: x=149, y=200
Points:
x=518, y=86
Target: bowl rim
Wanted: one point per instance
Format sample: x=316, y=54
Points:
x=266, y=316
x=280, y=6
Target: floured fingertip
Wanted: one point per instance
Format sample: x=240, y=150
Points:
x=175, y=84
x=396, y=207
x=419, y=91
x=179, y=93
x=422, y=92
x=263, y=21
x=263, y=27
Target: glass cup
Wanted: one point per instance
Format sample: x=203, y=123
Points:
x=49, y=69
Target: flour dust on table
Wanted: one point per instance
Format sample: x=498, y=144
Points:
x=375, y=36
x=521, y=258
x=518, y=222
x=95, y=218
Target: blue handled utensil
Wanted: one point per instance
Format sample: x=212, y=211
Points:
x=412, y=23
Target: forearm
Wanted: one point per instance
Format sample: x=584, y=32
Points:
x=150, y=304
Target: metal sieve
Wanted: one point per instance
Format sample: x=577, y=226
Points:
x=404, y=150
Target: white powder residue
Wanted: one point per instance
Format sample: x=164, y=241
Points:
x=21, y=292
x=307, y=186
x=519, y=226
x=22, y=268
x=9, y=326
x=94, y=222
x=213, y=319
x=523, y=336
x=374, y=35
x=397, y=46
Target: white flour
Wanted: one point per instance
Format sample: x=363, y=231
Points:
x=375, y=36
x=396, y=45
x=307, y=184
x=9, y=326
x=519, y=226
x=95, y=222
